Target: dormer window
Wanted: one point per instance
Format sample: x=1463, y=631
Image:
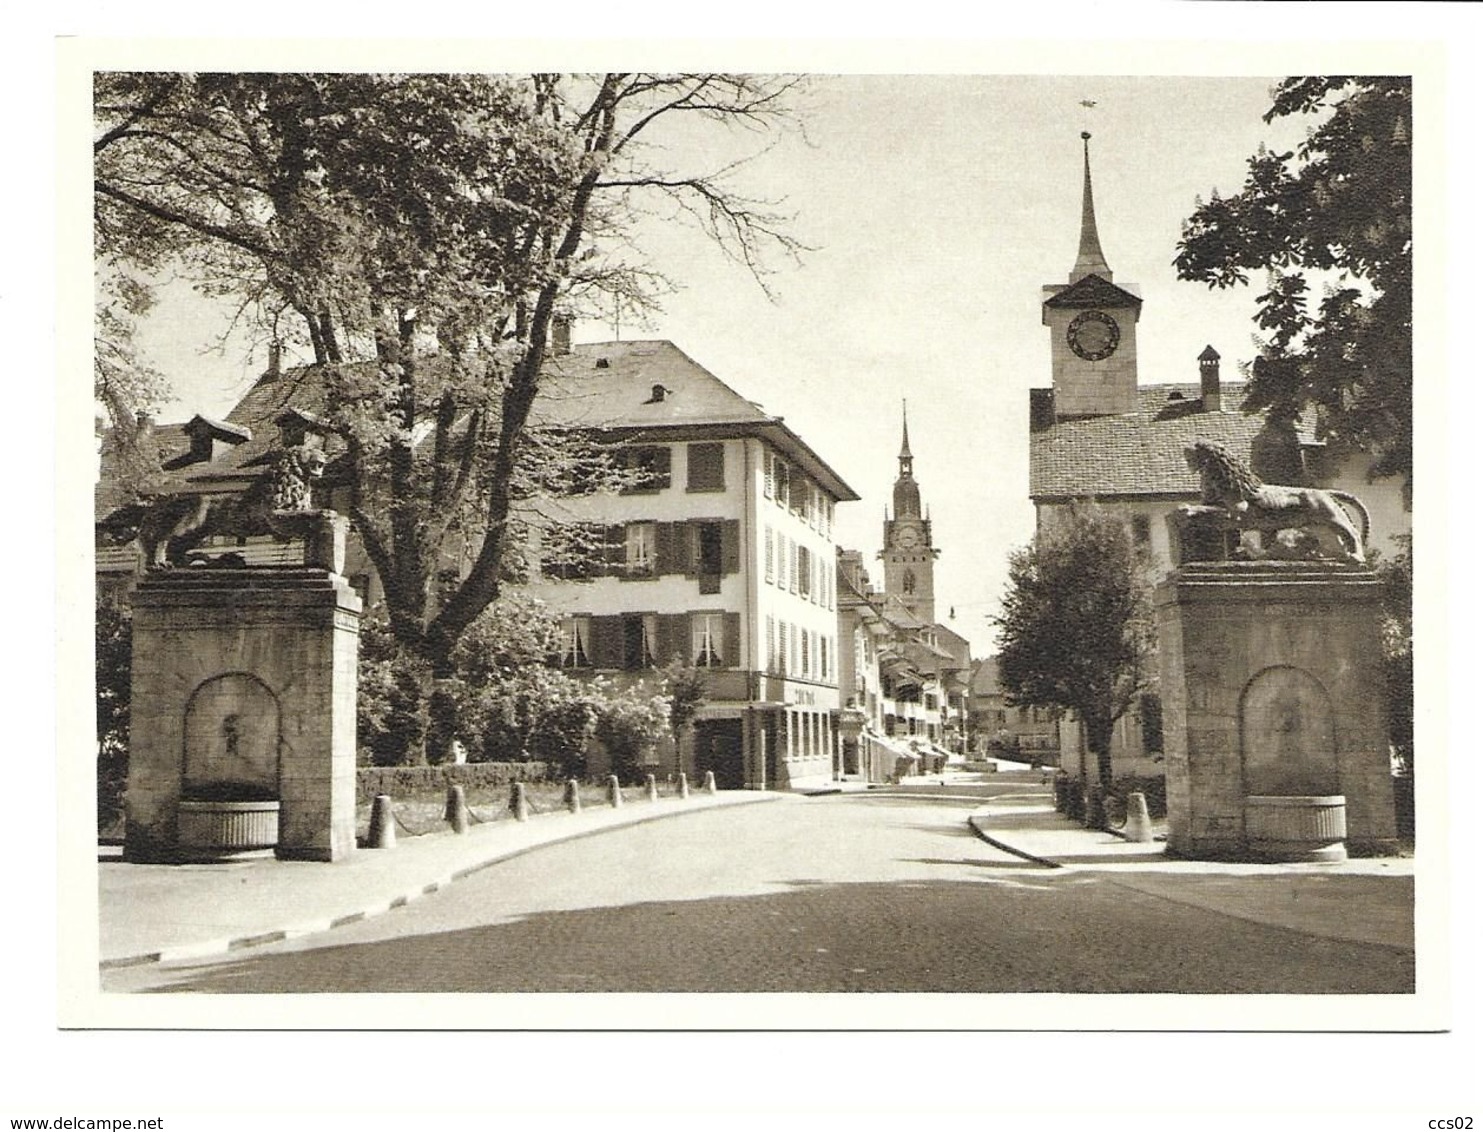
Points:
x=656, y=394
x=296, y=427
x=209, y=440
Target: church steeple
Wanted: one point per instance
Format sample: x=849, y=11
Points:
x=907, y=549
x=1089, y=257
x=906, y=496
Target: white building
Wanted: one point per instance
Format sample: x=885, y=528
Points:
x=724, y=559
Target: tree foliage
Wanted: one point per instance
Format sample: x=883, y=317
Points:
x=113, y=642
x=418, y=236
x=1336, y=212
x=1076, y=630
x=1396, y=596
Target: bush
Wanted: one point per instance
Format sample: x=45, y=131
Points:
x=532, y=713
x=114, y=641
x=630, y=723
x=391, y=700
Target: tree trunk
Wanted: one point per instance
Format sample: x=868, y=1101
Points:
x=442, y=714
x=1099, y=740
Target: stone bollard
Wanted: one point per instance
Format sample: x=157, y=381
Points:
x=572, y=798
x=1138, y=826
x=684, y=787
x=383, y=824
x=651, y=788
x=615, y=792
x=456, y=812
x=518, y=805
x=710, y=782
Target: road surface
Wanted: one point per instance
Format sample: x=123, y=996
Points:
x=841, y=893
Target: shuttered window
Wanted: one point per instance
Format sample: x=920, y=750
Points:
x=705, y=467
x=792, y=566
x=766, y=475
x=647, y=468
x=780, y=481
x=805, y=572
x=640, y=631
x=769, y=661
x=767, y=570
x=803, y=653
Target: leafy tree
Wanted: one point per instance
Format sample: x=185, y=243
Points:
x=1076, y=631
x=420, y=235
x=1337, y=207
x=686, y=687
x=1396, y=587
x=113, y=641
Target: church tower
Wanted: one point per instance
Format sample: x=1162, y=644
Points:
x=1093, y=326
x=909, y=555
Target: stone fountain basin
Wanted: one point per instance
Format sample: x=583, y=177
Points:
x=1296, y=827
x=217, y=828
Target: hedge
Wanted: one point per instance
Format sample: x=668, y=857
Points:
x=401, y=781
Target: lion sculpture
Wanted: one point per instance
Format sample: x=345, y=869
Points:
x=1228, y=486
x=172, y=527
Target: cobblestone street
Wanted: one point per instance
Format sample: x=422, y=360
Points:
x=845, y=893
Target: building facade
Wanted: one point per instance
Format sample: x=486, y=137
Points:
x=723, y=558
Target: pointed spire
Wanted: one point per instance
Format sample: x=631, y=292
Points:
x=1089, y=257
x=905, y=443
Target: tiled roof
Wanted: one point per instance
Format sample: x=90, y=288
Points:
x=985, y=679
x=1140, y=453
x=601, y=385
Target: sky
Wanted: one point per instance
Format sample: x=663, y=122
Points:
x=934, y=207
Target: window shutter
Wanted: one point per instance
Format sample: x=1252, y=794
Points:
x=672, y=638
x=615, y=549
x=607, y=642
x=766, y=476
x=731, y=652
x=767, y=557
x=690, y=547
x=668, y=541
x=661, y=467
x=705, y=467
x=731, y=546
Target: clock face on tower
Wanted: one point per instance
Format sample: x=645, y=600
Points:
x=1093, y=335
x=906, y=537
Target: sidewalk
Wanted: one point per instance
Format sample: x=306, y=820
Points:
x=155, y=913
x=1372, y=901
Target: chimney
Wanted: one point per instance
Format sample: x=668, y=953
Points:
x=561, y=335
x=1209, y=380
x=275, y=360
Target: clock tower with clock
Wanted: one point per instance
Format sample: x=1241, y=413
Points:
x=909, y=556
x=1093, y=326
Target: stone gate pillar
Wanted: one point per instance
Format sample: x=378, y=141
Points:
x=243, y=696
x=1273, y=688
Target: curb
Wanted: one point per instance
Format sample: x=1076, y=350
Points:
x=973, y=824
x=381, y=907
